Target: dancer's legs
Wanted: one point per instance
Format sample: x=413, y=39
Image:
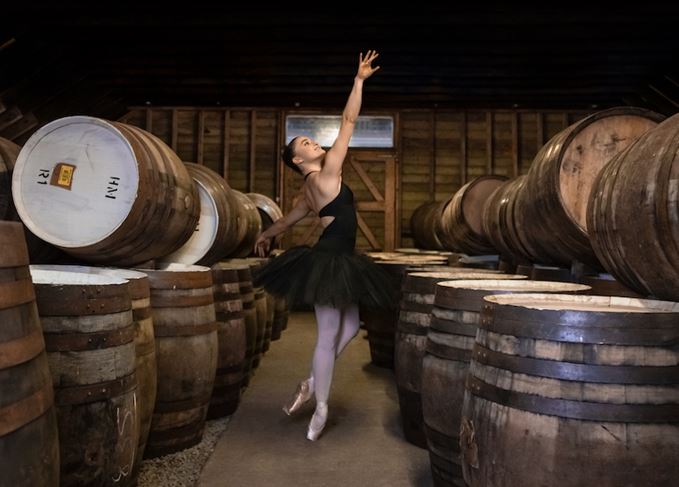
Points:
x=328, y=320
x=350, y=326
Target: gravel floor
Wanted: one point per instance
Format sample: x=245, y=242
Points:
x=182, y=469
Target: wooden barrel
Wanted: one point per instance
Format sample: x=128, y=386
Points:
x=215, y=233
x=9, y=152
x=268, y=305
x=249, y=225
x=186, y=353
x=131, y=196
x=417, y=299
x=560, y=179
x=380, y=324
x=232, y=342
x=606, y=285
x=280, y=319
x=583, y=389
x=247, y=296
x=29, y=443
x=461, y=223
x=89, y=336
x=453, y=325
x=500, y=224
x=268, y=210
x=633, y=214
x=145, y=350
x=424, y=225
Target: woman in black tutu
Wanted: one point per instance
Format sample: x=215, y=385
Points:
x=330, y=276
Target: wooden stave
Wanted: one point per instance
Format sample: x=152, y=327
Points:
x=601, y=459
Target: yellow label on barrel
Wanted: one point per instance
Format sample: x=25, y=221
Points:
x=62, y=175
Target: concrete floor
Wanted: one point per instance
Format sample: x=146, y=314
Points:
x=362, y=444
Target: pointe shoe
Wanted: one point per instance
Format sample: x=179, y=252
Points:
x=301, y=396
x=317, y=423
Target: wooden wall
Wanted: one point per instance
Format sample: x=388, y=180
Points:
x=437, y=151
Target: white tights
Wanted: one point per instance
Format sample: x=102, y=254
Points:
x=336, y=328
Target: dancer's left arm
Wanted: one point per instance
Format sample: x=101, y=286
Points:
x=335, y=156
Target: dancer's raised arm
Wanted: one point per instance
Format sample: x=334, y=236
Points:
x=335, y=156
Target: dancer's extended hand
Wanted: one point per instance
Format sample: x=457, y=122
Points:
x=365, y=70
x=262, y=245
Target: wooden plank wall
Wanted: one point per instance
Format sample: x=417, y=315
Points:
x=437, y=150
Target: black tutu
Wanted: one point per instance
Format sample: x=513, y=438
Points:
x=329, y=273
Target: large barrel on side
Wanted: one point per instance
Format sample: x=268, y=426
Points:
x=417, y=299
x=553, y=205
x=249, y=225
x=606, y=285
x=633, y=214
x=269, y=212
x=423, y=225
x=215, y=234
x=500, y=225
x=89, y=335
x=232, y=341
x=453, y=326
x=185, y=328
x=104, y=192
x=29, y=443
x=461, y=223
x=583, y=389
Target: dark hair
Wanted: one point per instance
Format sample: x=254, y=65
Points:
x=288, y=154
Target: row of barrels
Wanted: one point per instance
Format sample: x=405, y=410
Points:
x=596, y=193
x=488, y=384
x=101, y=367
x=110, y=193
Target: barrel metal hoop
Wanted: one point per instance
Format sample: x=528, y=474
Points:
x=451, y=327
x=20, y=350
x=22, y=412
x=161, y=330
x=71, y=395
x=75, y=342
x=563, y=408
x=447, y=353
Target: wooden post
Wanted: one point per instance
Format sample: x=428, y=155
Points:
x=149, y=120
x=200, y=140
x=175, y=130
x=390, y=214
x=515, y=144
x=540, y=130
x=253, y=150
x=490, y=133
x=432, y=161
x=463, y=149
x=226, y=140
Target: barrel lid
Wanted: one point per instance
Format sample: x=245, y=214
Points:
x=513, y=285
x=205, y=234
x=75, y=181
x=62, y=276
x=601, y=304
